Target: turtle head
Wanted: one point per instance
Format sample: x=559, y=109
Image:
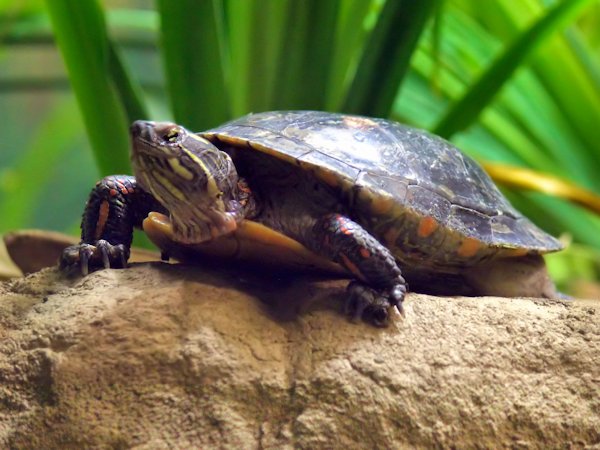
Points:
x=189, y=176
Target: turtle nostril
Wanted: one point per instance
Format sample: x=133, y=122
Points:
x=140, y=128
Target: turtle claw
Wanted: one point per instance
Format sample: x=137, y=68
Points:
x=85, y=253
x=366, y=303
x=124, y=254
x=103, y=247
x=400, y=310
x=88, y=257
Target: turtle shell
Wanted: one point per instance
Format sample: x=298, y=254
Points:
x=419, y=194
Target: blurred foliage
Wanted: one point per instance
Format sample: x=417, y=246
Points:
x=509, y=82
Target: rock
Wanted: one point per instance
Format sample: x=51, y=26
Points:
x=33, y=250
x=8, y=269
x=168, y=356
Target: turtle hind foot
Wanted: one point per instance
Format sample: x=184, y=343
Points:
x=87, y=258
x=371, y=305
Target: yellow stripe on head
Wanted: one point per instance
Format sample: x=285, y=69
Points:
x=168, y=185
x=179, y=169
x=211, y=185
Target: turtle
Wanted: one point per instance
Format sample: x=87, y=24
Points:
x=383, y=202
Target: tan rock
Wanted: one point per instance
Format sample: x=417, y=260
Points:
x=164, y=356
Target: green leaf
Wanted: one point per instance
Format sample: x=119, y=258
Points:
x=469, y=106
x=24, y=183
x=349, y=42
x=239, y=20
x=195, y=61
x=255, y=29
x=130, y=92
x=132, y=28
x=386, y=56
x=80, y=33
x=305, y=54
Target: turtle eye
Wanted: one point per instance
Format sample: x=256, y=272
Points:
x=172, y=135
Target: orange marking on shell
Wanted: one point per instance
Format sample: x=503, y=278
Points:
x=427, y=226
x=124, y=190
x=468, y=247
x=365, y=253
x=102, y=218
x=351, y=266
x=113, y=192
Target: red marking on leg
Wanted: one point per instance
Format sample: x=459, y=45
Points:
x=102, y=218
x=341, y=221
x=244, y=187
x=351, y=267
x=365, y=253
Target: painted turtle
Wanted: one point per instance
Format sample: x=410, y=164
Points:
x=370, y=195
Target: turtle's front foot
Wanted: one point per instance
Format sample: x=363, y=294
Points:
x=87, y=257
x=372, y=305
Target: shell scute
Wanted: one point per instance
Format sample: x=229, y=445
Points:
x=261, y=139
x=429, y=203
x=469, y=222
x=396, y=187
x=332, y=170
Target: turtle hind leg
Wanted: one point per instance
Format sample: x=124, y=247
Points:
x=524, y=276
x=379, y=285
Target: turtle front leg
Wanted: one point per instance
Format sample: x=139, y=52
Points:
x=115, y=206
x=379, y=285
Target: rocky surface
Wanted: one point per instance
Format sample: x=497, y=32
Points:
x=165, y=356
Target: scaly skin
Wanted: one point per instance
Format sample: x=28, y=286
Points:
x=115, y=206
x=380, y=282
